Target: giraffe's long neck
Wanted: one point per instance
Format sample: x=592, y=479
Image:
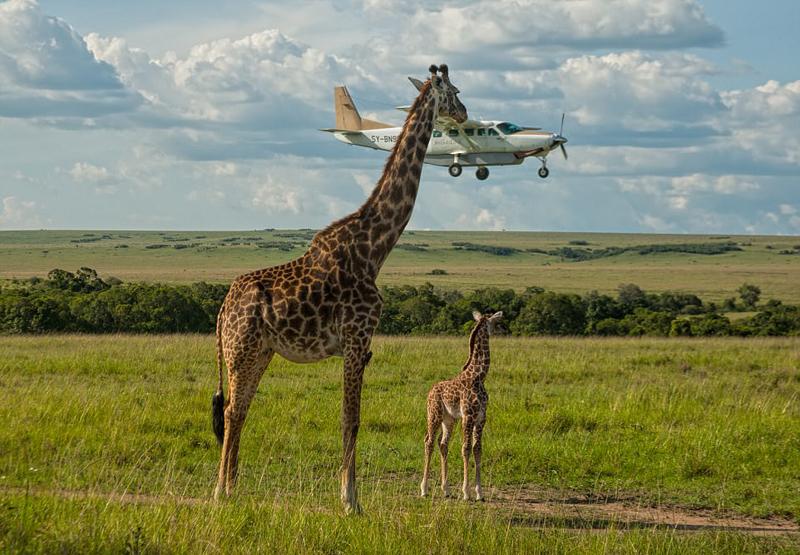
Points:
x=362, y=241
x=388, y=209
x=477, y=366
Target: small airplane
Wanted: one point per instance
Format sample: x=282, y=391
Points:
x=472, y=143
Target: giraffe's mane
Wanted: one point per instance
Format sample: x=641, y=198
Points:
x=472, y=339
x=358, y=213
x=414, y=107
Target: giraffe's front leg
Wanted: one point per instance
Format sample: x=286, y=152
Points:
x=466, y=449
x=356, y=357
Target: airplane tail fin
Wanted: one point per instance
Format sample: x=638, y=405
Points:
x=347, y=116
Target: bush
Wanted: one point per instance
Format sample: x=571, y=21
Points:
x=711, y=324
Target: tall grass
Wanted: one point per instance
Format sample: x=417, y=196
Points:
x=106, y=446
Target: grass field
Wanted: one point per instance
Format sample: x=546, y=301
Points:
x=106, y=447
x=220, y=256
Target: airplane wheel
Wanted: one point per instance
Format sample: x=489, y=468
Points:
x=454, y=170
x=482, y=173
x=543, y=172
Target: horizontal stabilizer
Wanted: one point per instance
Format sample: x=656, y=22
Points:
x=343, y=131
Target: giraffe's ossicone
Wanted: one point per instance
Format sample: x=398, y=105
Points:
x=325, y=303
x=462, y=398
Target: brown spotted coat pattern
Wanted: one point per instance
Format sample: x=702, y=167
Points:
x=325, y=303
x=463, y=397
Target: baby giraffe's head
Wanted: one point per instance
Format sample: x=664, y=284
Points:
x=489, y=321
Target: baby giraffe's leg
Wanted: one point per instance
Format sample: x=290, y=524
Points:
x=477, y=436
x=434, y=421
x=466, y=448
x=447, y=429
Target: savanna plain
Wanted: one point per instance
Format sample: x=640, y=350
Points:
x=617, y=445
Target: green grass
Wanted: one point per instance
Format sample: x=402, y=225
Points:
x=713, y=277
x=699, y=424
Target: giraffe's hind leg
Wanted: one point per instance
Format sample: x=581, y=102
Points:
x=444, y=443
x=434, y=421
x=243, y=378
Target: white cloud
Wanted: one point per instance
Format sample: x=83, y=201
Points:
x=277, y=197
x=84, y=171
x=723, y=184
x=577, y=23
x=679, y=202
x=633, y=90
x=47, y=71
x=655, y=223
x=787, y=209
x=265, y=80
x=764, y=121
x=18, y=214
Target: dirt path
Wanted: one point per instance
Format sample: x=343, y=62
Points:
x=539, y=508
x=534, y=507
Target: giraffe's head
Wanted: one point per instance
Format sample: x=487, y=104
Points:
x=449, y=106
x=486, y=320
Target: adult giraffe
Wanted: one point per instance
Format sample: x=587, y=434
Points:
x=326, y=302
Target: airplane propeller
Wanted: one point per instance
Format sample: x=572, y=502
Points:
x=559, y=139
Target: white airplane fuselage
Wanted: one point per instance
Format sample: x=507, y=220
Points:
x=485, y=145
x=472, y=143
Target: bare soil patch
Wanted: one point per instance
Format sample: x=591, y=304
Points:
x=541, y=507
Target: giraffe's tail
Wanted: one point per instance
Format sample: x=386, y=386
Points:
x=218, y=400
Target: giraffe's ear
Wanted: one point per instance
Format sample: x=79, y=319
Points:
x=416, y=82
x=477, y=315
x=496, y=317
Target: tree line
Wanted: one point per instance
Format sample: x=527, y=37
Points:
x=83, y=302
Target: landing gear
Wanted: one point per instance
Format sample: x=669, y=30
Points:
x=454, y=169
x=482, y=173
x=543, y=172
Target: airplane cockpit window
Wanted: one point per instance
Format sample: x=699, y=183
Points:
x=453, y=133
x=437, y=133
x=493, y=132
x=508, y=128
x=470, y=132
x=481, y=132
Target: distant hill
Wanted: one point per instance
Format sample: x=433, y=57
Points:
x=712, y=267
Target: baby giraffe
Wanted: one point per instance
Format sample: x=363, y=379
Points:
x=462, y=397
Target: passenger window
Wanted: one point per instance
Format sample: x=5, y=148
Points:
x=437, y=133
x=481, y=132
x=493, y=132
x=453, y=133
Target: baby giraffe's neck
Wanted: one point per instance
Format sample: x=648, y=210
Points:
x=477, y=366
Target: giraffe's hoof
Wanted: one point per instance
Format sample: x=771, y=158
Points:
x=353, y=509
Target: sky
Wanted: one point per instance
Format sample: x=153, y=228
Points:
x=683, y=116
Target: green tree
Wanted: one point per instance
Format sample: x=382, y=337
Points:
x=749, y=294
x=551, y=313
